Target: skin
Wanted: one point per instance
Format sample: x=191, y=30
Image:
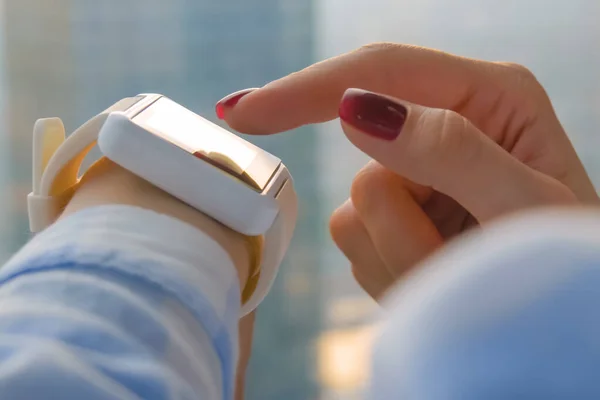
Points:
x=481, y=141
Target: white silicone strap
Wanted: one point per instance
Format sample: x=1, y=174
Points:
x=48, y=135
x=56, y=164
x=276, y=242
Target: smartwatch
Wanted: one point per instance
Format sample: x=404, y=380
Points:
x=207, y=167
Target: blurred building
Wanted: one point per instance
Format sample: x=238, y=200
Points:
x=5, y=198
x=38, y=71
x=73, y=58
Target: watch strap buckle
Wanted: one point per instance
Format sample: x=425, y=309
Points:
x=42, y=211
x=48, y=135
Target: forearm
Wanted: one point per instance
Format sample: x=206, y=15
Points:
x=115, y=301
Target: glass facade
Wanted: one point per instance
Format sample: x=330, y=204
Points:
x=73, y=58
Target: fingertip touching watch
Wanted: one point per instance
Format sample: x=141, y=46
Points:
x=209, y=168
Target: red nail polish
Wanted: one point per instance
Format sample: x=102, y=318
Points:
x=372, y=114
x=230, y=101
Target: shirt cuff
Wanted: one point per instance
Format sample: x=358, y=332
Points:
x=176, y=258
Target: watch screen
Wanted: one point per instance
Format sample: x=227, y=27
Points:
x=210, y=142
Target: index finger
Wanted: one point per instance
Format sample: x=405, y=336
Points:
x=423, y=76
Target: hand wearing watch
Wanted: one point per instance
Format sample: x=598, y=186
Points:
x=212, y=170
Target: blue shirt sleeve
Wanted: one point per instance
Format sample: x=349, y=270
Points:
x=117, y=302
x=508, y=313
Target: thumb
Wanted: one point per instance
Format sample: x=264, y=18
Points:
x=441, y=149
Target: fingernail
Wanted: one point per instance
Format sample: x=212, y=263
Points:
x=372, y=114
x=230, y=101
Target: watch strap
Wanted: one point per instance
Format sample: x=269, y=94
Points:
x=57, y=161
x=56, y=164
x=275, y=243
x=255, y=249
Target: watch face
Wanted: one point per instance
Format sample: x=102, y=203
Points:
x=209, y=142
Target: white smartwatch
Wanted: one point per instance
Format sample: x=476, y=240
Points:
x=189, y=157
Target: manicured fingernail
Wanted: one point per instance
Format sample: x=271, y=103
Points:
x=372, y=114
x=230, y=101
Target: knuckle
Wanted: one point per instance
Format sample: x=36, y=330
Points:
x=530, y=94
x=460, y=144
x=439, y=131
x=443, y=140
x=519, y=69
x=345, y=227
x=363, y=276
x=338, y=227
x=557, y=194
x=522, y=76
x=522, y=89
x=367, y=183
x=359, y=276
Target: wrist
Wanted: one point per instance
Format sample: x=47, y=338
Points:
x=108, y=183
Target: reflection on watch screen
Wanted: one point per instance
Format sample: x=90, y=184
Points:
x=209, y=142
